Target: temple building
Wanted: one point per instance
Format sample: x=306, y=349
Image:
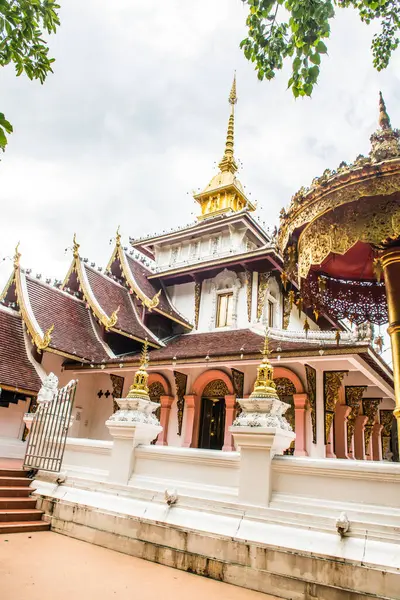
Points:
x=202, y=295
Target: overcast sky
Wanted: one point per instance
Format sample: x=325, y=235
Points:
x=134, y=119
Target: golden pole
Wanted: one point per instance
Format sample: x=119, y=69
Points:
x=391, y=271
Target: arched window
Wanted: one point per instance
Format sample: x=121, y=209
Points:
x=271, y=314
x=224, y=296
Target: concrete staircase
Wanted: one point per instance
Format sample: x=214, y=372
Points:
x=18, y=511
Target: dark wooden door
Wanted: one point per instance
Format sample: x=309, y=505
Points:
x=212, y=423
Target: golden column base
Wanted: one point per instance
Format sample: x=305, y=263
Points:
x=391, y=271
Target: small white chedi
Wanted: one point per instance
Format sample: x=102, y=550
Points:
x=260, y=432
x=133, y=424
x=263, y=408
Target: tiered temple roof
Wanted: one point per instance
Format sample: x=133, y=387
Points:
x=17, y=372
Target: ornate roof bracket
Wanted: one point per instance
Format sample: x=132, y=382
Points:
x=108, y=322
x=41, y=339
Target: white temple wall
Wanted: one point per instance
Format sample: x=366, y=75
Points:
x=11, y=420
x=182, y=298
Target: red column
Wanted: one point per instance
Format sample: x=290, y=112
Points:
x=166, y=403
x=300, y=407
x=376, y=442
x=359, y=442
x=341, y=413
x=190, y=404
x=230, y=403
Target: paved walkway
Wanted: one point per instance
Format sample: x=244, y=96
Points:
x=48, y=566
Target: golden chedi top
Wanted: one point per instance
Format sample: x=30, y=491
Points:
x=264, y=386
x=225, y=193
x=139, y=387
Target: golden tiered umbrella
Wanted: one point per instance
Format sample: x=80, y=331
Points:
x=341, y=239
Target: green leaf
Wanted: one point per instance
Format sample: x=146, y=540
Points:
x=321, y=48
x=315, y=58
x=3, y=139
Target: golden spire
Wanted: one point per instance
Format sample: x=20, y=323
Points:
x=228, y=162
x=384, y=120
x=264, y=386
x=139, y=387
x=17, y=256
x=75, y=248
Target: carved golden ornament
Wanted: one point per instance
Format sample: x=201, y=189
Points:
x=180, y=384
x=262, y=290
x=197, y=299
x=292, y=298
x=386, y=419
x=75, y=247
x=366, y=221
x=299, y=304
x=153, y=302
x=316, y=314
x=306, y=326
x=249, y=292
x=215, y=389
x=238, y=387
x=332, y=384
x=17, y=256
x=337, y=336
x=321, y=284
x=370, y=407
x=353, y=397
x=139, y=387
x=379, y=343
x=156, y=390
x=362, y=181
x=284, y=279
x=43, y=343
x=112, y=320
x=311, y=376
x=117, y=388
x=291, y=258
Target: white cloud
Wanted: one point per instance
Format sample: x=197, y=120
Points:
x=135, y=117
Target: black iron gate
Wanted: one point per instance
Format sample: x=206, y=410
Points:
x=49, y=430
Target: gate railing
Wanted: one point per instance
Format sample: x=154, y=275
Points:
x=49, y=430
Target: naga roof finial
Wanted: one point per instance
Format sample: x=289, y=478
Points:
x=75, y=247
x=118, y=237
x=384, y=120
x=228, y=162
x=17, y=256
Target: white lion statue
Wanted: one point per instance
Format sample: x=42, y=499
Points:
x=48, y=390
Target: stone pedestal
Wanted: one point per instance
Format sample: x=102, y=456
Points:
x=132, y=425
x=257, y=448
x=260, y=432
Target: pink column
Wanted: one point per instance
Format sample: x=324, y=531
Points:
x=341, y=414
x=166, y=403
x=230, y=403
x=359, y=442
x=377, y=442
x=190, y=404
x=300, y=406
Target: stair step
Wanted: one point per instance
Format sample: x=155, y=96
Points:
x=20, y=473
x=13, y=502
x=15, y=491
x=17, y=527
x=14, y=481
x=20, y=514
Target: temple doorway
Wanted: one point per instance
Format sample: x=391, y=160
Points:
x=212, y=415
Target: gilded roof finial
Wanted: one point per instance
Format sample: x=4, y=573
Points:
x=264, y=386
x=118, y=237
x=139, y=387
x=17, y=256
x=228, y=162
x=75, y=248
x=384, y=120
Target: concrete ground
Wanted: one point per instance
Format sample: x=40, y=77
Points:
x=48, y=566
